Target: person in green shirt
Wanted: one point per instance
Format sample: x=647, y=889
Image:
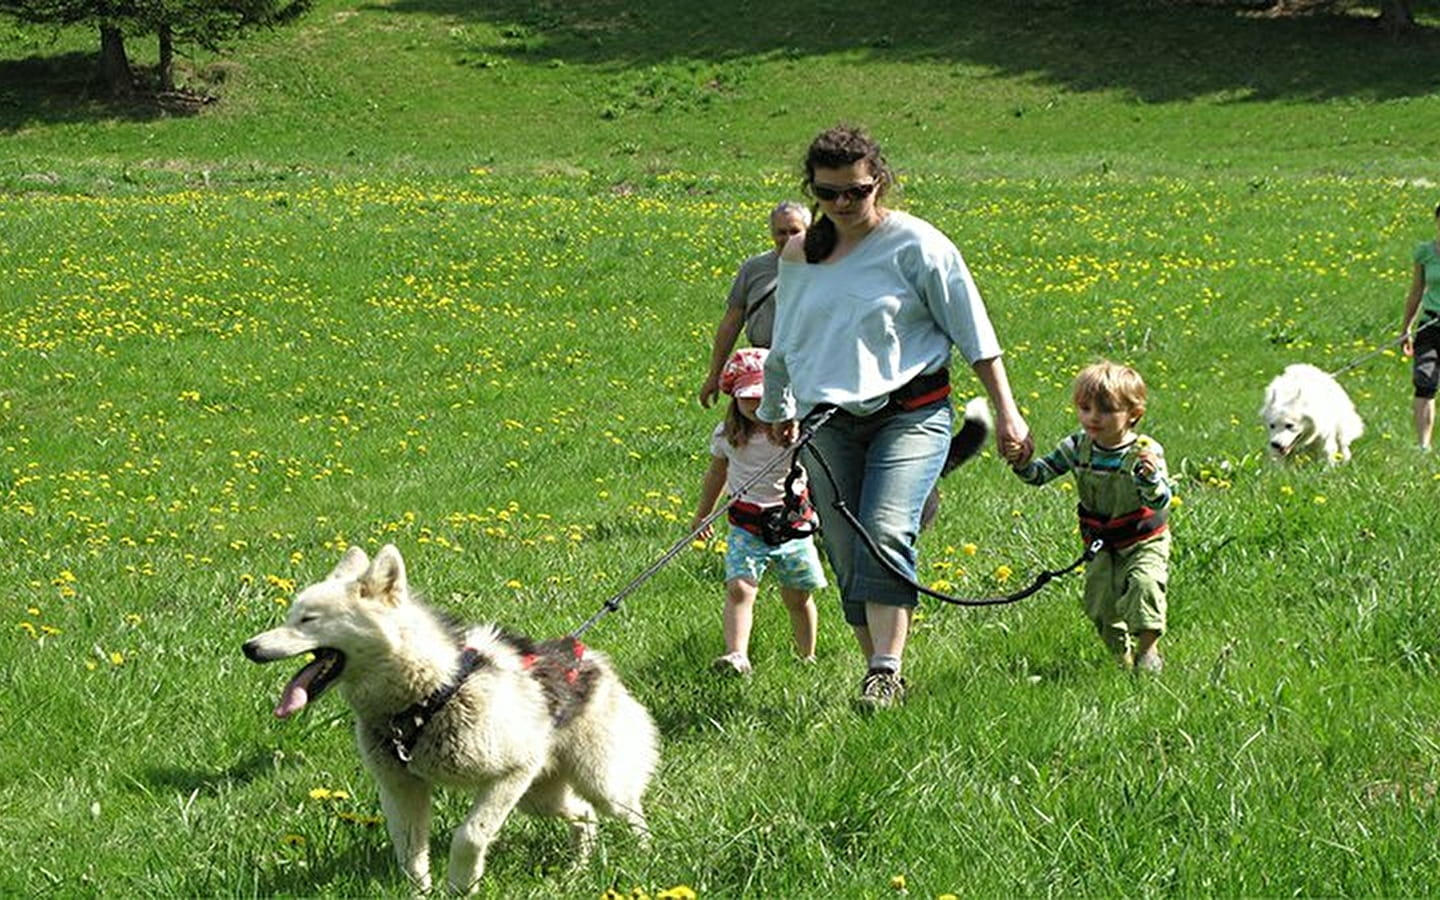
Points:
x=1421, y=339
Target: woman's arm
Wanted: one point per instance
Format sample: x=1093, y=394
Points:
x=1012, y=435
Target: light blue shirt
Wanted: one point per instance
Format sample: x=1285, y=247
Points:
x=849, y=332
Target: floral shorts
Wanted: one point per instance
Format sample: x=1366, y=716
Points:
x=797, y=564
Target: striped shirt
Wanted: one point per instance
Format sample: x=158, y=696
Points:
x=1104, y=476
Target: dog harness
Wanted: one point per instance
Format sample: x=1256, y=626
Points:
x=560, y=666
x=405, y=726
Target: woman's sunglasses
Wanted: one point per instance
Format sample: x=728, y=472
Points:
x=852, y=192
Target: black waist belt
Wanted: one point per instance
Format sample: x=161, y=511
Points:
x=1122, y=531
x=922, y=390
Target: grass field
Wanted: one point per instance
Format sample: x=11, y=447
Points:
x=447, y=279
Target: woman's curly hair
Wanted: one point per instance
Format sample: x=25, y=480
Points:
x=842, y=145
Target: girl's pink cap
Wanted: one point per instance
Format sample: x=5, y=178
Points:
x=744, y=373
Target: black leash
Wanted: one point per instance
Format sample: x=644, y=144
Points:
x=1042, y=579
x=807, y=432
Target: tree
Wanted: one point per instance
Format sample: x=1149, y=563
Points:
x=207, y=23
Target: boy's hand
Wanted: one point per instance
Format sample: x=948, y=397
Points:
x=1147, y=464
x=1017, y=453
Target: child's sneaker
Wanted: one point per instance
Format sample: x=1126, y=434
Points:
x=1149, y=662
x=735, y=663
x=881, y=689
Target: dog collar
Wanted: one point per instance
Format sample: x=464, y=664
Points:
x=403, y=730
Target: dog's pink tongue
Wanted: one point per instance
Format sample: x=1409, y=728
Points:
x=293, y=700
x=297, y=692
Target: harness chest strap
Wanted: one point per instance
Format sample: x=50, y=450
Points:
x=405, y=726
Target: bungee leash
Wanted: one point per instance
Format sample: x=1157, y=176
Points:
x=878, y=552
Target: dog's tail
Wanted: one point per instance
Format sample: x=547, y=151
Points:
x=970, y=439
x=974, y=431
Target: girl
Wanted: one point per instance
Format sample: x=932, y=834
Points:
x=740, y=449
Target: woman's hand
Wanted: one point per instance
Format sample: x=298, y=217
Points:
x=1013, y=440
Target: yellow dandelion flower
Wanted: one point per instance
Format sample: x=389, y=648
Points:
x=1003, y=573
x=1320, y=499
x=293, y=840
x=897, y=883
x=319, y=793
x=678, y=892
x=513, y=584
x=116, y=658
x=1286, y=489
x=969, y=549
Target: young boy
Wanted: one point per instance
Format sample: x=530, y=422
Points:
x=1124, y=499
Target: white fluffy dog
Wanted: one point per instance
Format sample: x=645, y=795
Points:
x=1308, y=413
x=546, y=725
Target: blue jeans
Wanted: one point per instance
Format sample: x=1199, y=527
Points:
x=885, y=465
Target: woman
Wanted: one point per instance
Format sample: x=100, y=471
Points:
x=1423, y=343
x=871, y=301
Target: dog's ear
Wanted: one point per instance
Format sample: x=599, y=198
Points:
x=385, y=579
x=351, y=564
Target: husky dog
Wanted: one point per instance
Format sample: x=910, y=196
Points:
x=547, y=726
x=1308, y=412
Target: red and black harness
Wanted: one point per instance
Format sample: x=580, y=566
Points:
x=560, y=666
x=796, y=516
x=1119, y=532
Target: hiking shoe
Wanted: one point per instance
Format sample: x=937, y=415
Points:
x=881, y=689
x=732, y=664
x=1149, y=662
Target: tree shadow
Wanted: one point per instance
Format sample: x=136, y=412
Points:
x=1154, y=52
x=67, y=88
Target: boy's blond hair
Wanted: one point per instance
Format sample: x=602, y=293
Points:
x=1111, y=387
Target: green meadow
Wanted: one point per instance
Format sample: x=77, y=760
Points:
x=445, y=275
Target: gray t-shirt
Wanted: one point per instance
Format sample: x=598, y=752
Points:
x=753, y=291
